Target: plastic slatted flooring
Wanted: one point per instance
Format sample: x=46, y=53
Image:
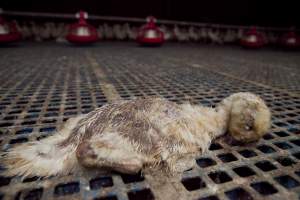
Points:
x=43, y=85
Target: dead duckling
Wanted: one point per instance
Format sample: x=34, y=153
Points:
x=129, y=136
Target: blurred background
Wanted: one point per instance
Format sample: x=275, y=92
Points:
x=246, y=12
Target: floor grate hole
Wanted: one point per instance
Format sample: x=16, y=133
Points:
x=247, y=153
x=47, y=129
x=297, y=155
x=296, y=142
x=280, y=124
x=265, y=166
x=291, y=115
x=130, y=178
x=205, y=162
x=209, y=198
x=287, y=181
x=145, y=194
x=6, y=124
x=281, y=134
x=244, y=171
x=220, y=177
x=283, y=145
x=4, y=181
x=107, y=198
x=31, y=116
x=10, y=118
x=35, y=194
x=227, y=157
x=24, y=131
x=67, y=189
x=194, y=183
x=215, y=146
x=264, y=188
x=284, y=161
x=294, y=130
x=266, y=149
x=15, y=112
x=52, y=114
x=268, y=137
x=101, y=182
x=28, y=123
x=238, y=194
x=18, y=140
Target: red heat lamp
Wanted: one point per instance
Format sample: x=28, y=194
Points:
x=253, y=39
x=8, y=32
x=290, y=40
x=82, y=32
x=149, y=34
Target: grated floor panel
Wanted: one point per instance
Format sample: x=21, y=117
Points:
x=44, y=84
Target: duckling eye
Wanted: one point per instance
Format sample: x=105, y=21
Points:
x=249, y=123
x=248, y=127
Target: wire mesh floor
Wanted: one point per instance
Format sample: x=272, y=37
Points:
x=42, y=85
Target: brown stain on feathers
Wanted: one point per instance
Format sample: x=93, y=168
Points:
x=130, y=120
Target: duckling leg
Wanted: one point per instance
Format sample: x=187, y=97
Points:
x=181, y=164
x=98, y=154
x=184, y=164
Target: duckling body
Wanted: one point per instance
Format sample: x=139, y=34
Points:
x=151, y=131
x=129, y=136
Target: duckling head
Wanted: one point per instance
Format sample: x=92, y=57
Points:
x=250, y=118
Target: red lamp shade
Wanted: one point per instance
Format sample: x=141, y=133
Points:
x=253, y=39
x=82, y=32
x=150, y=34
x=8, y=32
x=290, y=40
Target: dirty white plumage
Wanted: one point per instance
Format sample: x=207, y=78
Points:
x=129, y=136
